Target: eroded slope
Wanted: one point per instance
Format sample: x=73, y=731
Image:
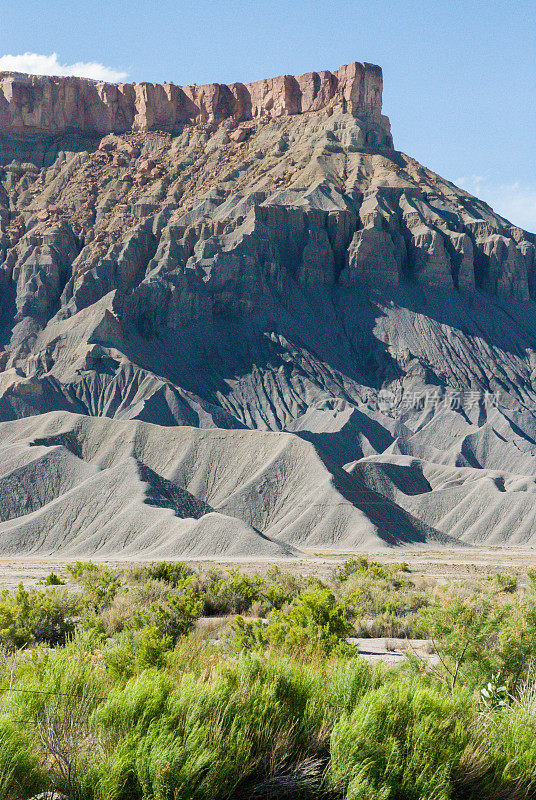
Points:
x=288, y=273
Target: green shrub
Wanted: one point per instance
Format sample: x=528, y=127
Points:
x=338, y=685
x=172, y=572
x=401, y=741
x=246, y=725
x=80, y=569
x=174, y=615
x=465, y=632
x=504, y=583
x=239, y=593
x=21, y=775
x=512, y=651
x=234, y=594
x=508, y=738
x=52, y=580
x=70, y=672
x=383, y=596
x=313, y=623
x=133, y=651
x=362, y=566
x=100, y=584
x=30, y=617
x=531, y=576
x=100, y=588
x=135, y=705
x=389, y=624
x=142, y=707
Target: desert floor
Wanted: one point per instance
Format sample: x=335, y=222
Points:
x=442, y=565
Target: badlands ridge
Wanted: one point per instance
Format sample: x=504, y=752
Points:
x=236, y=322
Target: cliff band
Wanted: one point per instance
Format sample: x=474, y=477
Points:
x=39, y=104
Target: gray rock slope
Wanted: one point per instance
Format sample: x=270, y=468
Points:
x=258, y=340
x=74, y=484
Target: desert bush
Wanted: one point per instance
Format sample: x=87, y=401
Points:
x=127, y=700
x=531, y=578
x=128, y=604
x=508, y=737
x=174, y=615
x=100, y=588
x=67, y=743
x=464, y=632
x=115, y=617
x=21, y=774
x=383, y=596
x=32, y=617
x=338, y=685
x=234, y=594
x=362, y=566
x=237, y=593
x=387, y=746
x=504, y=583
x=313, y=623
x=291, y=583
x=247, y=726
x=172, y=572
x=52, y=580
x=75, y=670
x=478, y=637
x=133, y=651
x=81, y=568
x=100, y=584
x=49, y=700
x=275, y=596
x=514, y=651
x=389, y=624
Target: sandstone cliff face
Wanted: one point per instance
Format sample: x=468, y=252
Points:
x=30, y=103
x=258, y=256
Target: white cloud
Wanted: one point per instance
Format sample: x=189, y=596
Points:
x=516, y=201
x=37, y=64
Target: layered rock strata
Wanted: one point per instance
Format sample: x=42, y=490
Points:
x=263, y=260
x=39, y=104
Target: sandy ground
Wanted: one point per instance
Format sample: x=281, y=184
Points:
x=442, y=565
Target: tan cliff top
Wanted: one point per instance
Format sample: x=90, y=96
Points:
x=43, y=104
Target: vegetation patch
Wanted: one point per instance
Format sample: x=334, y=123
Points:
x=169, y=682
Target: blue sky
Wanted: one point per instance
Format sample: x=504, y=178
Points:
x=459, y=77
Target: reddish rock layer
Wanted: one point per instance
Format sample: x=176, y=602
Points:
x=40, y=104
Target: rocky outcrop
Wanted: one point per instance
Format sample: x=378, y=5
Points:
x=282, y=191
x=214, y=219
x=252, y=256
x=39, y=104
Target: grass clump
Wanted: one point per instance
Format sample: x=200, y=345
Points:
x=21, y=773
x=388, y=745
